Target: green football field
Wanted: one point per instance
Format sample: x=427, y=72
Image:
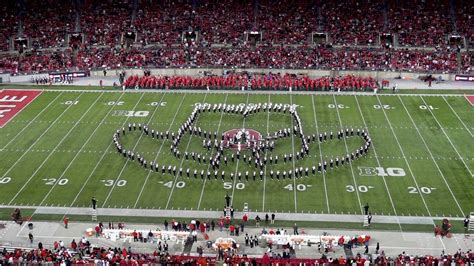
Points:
x=58, y=151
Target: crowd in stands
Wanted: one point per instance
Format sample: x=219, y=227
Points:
x=356, y=23
x=420, y=23
x=163, y=23
x=103, y=22
x=44, y=29
x=84, y=254
x=439, y=61
x=36, y=62
x=464, y=21
x=8, y=23
x=417, y=23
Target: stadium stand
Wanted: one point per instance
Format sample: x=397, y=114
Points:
x=356, y=23
x=86, y=255
x=44, y=29
x=420, y=23
x=439, y=61
x=353, y=30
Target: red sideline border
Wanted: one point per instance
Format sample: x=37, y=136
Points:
x=33, y=95
x=470, y=99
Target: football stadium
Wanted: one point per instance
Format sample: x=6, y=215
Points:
x=236, y=132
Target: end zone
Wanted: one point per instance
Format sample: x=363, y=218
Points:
x=470, y=99
x=13, y=101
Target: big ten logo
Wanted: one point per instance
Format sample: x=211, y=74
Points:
x=130, y=113
x=380, y=171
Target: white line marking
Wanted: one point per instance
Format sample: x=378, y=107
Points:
x=237, y=164
x=18, y=160
x=156, y=156
x=81, y=149
x=266, y=152
x=103, y=155
x=456, y=150
x=350, y=161
x=25, y=127
x=432, y=157
x=320, y=153
x=408, y=164
x=404, y=157
x=135, y=146
x=293, y=148
x=182, y=160
x=370, y=94
x=467, y=99
x=379, y=165
x=204, y=184
x=456, y=114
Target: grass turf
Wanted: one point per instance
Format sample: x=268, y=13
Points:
x=65, y=155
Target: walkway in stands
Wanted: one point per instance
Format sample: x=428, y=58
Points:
x=392, y=243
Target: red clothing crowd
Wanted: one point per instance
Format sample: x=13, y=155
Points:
x=438, y=61
x=124, y=257
x=255, y=82
x=417, y=23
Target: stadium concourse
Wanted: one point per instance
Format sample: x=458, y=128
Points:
x=204, y=243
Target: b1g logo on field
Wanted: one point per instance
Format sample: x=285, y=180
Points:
x=380, y=171
x=131, y=113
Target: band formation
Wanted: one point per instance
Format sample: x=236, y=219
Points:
x=239, y=140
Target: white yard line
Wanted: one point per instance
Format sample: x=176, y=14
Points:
x=407, y=163
x=81, y=149
x=294, y=155
x=218, y=128
x=182, y=160
x=136, y=144
x=432, y=157
x=102, y=157
x=274, y=124
x=320, y=154
x=442, y=129
x=379, y=165
x=404, y=157
x=156, y=157
x=456, y=114
x=260, y=92
x=52, y=152
x=37, y=139
x=266, y=151
x=34, y=119
x=237, y=164
x=350, y=161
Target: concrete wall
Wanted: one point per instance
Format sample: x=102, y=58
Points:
x=5, y=78
x=309, y=72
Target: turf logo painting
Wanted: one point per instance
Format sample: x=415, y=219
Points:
x=13, y=101
x=245, y=145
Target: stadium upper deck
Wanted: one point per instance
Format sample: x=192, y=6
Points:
x=102, y=28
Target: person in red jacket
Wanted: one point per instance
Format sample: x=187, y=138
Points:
x=231, y=229
x=66, y=221
x=73, y=245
